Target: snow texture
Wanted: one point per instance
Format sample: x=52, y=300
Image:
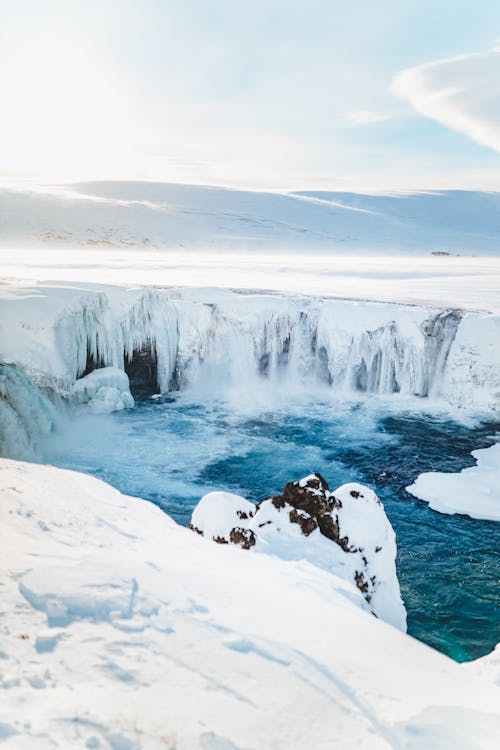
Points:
x=474, y=492
x=121, y=630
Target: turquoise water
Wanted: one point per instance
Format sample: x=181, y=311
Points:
x=173, y=450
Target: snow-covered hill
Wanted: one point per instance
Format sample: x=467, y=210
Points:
x=123, y=631
x=146, y=214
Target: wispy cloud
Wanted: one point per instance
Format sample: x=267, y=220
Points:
x=365, y=117
x=462, y=93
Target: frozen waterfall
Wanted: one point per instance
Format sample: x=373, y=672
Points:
x=213, y=340
x=377, y=348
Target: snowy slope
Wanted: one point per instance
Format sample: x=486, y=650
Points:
x=170, y=215
x=123, y=631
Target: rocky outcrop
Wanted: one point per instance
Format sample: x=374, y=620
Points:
x=345, y=532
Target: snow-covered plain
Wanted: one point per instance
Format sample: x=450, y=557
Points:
x=339, y=244
x=121, y=629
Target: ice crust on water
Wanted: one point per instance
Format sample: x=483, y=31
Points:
x=362, y=550
x=128, y=631
x=474, y=491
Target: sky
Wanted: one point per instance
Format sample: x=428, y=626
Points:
x=264, y=94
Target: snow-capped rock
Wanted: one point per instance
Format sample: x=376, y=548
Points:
x=345, y=531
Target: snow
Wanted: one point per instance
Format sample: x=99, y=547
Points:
x=487, y=667
x=364, y=548
x=103, y=391
x=167, y=215
x=474, y=492
x=218, y=512
x=121, y=629
x=365, y=247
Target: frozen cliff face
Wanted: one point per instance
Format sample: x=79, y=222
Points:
x=345, y=531
x=472, y=372
x=211, y=340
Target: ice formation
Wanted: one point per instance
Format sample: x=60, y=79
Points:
x=128, y=631
x=473, y=492
x=217, y=340
x=26, y=414
x=103, y=390
x=345, y=532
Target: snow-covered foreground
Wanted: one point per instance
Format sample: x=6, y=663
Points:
x=122, y=630
x=474, y=491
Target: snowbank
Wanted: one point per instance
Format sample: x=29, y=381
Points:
x=122, y=630
x=345, y=532
x=474, y=492
x=487, y=667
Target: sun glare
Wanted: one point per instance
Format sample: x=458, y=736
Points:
x=62, y=114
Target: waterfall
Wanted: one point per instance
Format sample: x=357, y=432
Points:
x=369, y=347
x=214, y=340
x=26, y=414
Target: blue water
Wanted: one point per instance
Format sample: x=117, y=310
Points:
x=172, y=451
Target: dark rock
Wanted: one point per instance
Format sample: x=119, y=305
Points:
x=346, y=546
x=243, y=516
x=329, y=526
x=142, y=371
x=313, y=497
x=278, y=501
x=220, y=540
x=306, y=522
x=362, y=584
x=313, y=505
x=356, y=494
x=244, y=537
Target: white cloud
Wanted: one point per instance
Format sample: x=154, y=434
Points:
x=365, y=117
x=462, y=93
